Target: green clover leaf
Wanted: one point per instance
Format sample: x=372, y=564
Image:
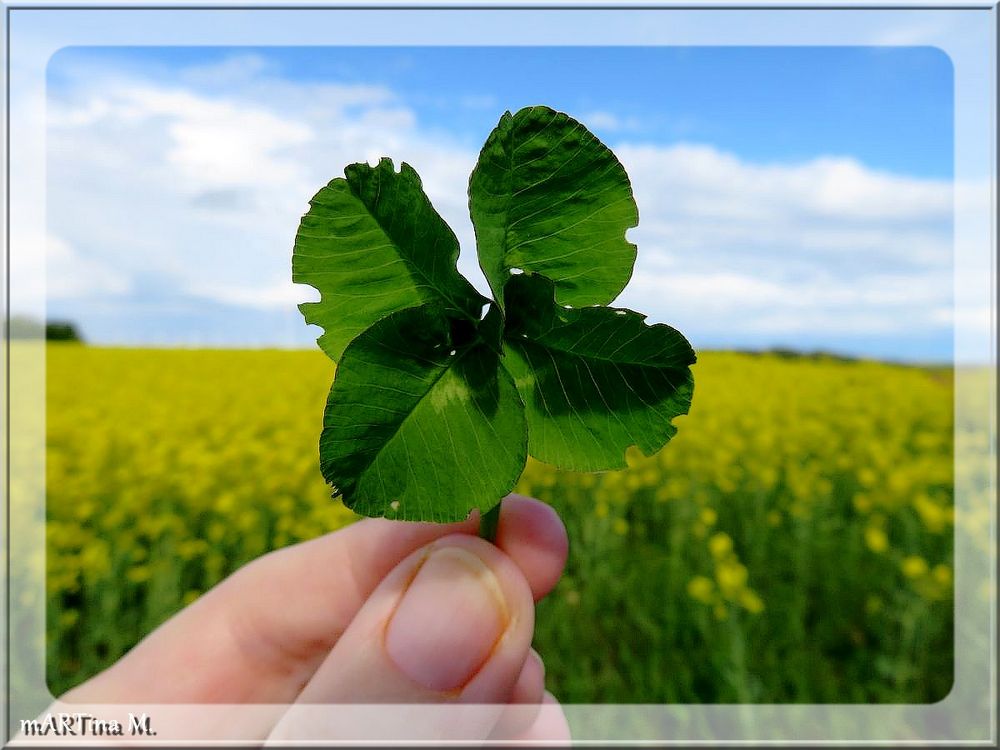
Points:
x=419, y=426
x=372, y=244
x=593, y=380
x=547, y=196
x=435, y=407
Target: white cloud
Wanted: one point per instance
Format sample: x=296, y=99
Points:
x=825, y=246
x=727, y=303
x=202, y=192
x=602, y=120
x=276, y=296
x=205, y=192
x=223, y=145
x=610, y=122
x=700, y=181
x=213, y=142
x=69, y=274
x=235, y=69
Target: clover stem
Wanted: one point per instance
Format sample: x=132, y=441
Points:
x=489, y=522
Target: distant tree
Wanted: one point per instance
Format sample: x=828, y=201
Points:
x=814, y=354
x=786, y=353
x=25, y=327
x=61, y=330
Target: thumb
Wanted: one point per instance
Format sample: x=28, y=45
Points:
x=450, y=625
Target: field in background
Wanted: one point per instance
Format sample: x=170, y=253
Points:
x=793, y=543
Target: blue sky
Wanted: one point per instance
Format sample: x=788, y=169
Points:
x=888, y=107
x=788, y=196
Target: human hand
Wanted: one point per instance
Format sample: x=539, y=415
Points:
x=379, y=612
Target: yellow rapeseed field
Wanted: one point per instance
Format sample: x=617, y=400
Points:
x=793, y=543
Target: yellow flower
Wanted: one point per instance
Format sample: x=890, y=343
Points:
x=914, y=566
x=751, y=602
x=138, y=574
x=876, y=539
x=720, y=544
x=867, y=477
x=732, y=577
x=708, y=516
x=933, y=516
x=633, y=457
x=95, y=559
x=702, y=589
x=633, y=481
x=942, y=575
x=191, y=549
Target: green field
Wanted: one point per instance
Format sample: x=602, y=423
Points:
x=793, y=543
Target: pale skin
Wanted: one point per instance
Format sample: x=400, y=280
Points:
x=378, y=612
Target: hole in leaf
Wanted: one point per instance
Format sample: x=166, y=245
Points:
x=516, y=271
x=394, y=505
x=308, y=294
x=620, y=312
x=453, y=352
x=486, y=309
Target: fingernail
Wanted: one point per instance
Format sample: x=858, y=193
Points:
x=448, y=621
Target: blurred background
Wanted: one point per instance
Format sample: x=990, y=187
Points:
x=792, y=544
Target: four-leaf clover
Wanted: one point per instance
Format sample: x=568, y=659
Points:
x=441, y=394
